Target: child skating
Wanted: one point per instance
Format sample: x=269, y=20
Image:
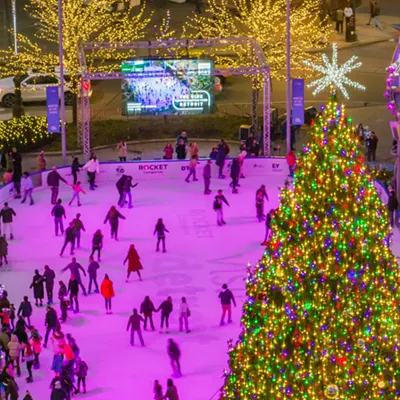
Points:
x=160, y=229
x=219, y=199
x=77, y=188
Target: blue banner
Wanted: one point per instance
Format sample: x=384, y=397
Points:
x=53, y=109
x=297, y=101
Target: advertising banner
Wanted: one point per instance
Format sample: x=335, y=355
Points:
x=53, y=109
x=298, y=102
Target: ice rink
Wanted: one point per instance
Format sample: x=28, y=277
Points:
x=200, y=257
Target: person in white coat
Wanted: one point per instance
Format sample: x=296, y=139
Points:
x=27, y=187
x=93, y=168
x=184, y=314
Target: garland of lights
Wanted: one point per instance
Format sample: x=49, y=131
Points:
x=334, y=74
x=393, y=85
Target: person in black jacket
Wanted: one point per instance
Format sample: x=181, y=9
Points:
x=69, y=238
x=97, y=244
x=6, y=215
x=62, y=290
x=174, y=353
x=73, y=288
x=166, y=309
x=25, y=310
x=227, y=298
x=49, y=276
x=51, y=323
x=58, y=393
x=113, y=216
x=38, y=289
x=75, y=168
x=92, y=271
x=127, y=192
x=393, y=205
x=147, y=308
x=219, y=199
x=16, y=179
x=53, y=181
x=235, y=172
x=221, y=155
x=268, y=225
x=180, y=150
x=120, y=187
x=58, y=212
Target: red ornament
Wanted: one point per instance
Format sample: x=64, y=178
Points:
x=86, y=85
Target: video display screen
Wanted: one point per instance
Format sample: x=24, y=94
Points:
x=164, y=87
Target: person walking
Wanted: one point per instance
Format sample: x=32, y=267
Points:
x=107, y=291
x=97, y=244
x=58, y=212
x=147, y=308
x=81, y=371
x=113, y=217
x=376, y=14
x=184, y=314
x=76, y=189
x=219, y=199
x=371, y=11
x=27, y=187
x=192, y=169
x=166, y=308
x=69, y=238
x=174, y=353
x=53, y=181
x=220, y=161
x=41, y=162
x=339, y=20
x=172, y=391
x=73, y=289
x=268, y=226
x=75, y=168
x=78, y=228
x=227, y=298
x=134, y=264
x=14, y=351
x=49, y=276
x=160, y=229
x=291, y=161
x=372, y=144
x=134, y=324
x=38, y=289
x=51, y=323
x=3, y=250
x=168, y=152
x=75, y=269
x=93, y=168
x=127, y=192
x=25, y=310
x=120, y=187
x=6, y=215
x=235, y=173
x=393, y=205
x=181, y=150
x=122, y=149
x=207, y=177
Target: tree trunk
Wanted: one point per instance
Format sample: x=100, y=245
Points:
x=74, y=109
x=18, y=109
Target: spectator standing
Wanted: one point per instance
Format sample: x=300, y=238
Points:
x=122, y=150
x=78, y=228
x=194, y=150
x=249, y=141
x=174, y=353
x=393, y=205
x=53, y=181
x=147, y=308
x=107, y=291
x=291, y=160
x=113, y=217
x=207, y=177
x=134, y=324
x=92, y=271
x=58, y=212
x=360, y=132
x=27, y=187
x=181, y=150
x=372, y=144
x=25, y=310
x=51, y=323
x=41, y=162
x=97, y=244
x=166, y=308
x=7, y=214
x=168, y=152
x=227, y=298
x=75, y=168
x=184, y=314
x=93, y=168
x=339, y=20
x=16, y=159
x=38, y=289
x=255, y=149
x=134, y=264
x=49, y=276
x=213, y=153
x=183, y=136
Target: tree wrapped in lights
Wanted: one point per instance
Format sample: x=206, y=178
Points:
x=322, y=316
x=264, y=21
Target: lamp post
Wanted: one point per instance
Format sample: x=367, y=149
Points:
x=288, y=108
x=14, y=17
x=62, y=100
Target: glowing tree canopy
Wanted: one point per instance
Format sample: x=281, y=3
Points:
x=322, y=316
x=335, y=74
x=265, y=21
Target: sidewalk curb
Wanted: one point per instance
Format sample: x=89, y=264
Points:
x=352, y=45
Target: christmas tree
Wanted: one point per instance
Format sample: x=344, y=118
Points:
x=322, y=316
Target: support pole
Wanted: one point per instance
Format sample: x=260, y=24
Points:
x=254, y=107
x=14, y=17
x=265, y=113
x=288, y=108
x=269, y=115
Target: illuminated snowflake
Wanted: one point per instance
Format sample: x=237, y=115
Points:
x=335, y=74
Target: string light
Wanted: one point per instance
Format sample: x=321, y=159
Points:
x=334, y=74
x=321, y=319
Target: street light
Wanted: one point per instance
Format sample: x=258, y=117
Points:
x=14, y=17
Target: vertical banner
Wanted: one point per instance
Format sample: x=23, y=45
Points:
x=297, y=101
x=53, y=109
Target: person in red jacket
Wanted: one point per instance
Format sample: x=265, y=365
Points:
x=107, y=291
x=134, y=264
x=291, y=160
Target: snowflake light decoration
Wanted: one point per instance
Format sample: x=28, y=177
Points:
x=334, y=74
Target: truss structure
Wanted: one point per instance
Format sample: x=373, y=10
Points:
x=260, y=70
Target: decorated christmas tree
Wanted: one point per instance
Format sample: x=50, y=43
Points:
x=321, y=320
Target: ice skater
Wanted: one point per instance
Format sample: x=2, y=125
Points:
x=157, y=390
x=235, y=172
x=3, y=250
x=113, y=217
x=134, y=324
x=184, y=314
x=160, y=229
x=6, y=215
x=64, y=306
x=76, y=188
x=58, y=212
x=92, y=271
x=241, y=158
x=192, y=169
x=220, y=161
x=93, y=168
x=51, y=323
x=25, y=310
x=38, y=289
x=207, y=177
x=75, y=269
x=261, y=193
x=172, y=391
x=120, y=187
x=49, y=276
x=81, y=370
x=53, y=181
x=78, y=227
x=27, y=187
x=69, y=238
x=73, y=289
x=134, y=264
x=147, y=308
x=227, y=298
x=268, y=226
x=174, y=353
x=219, y=199
x=166, y=308
x=97, y=244
x=107, y=291
x=127, y=192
